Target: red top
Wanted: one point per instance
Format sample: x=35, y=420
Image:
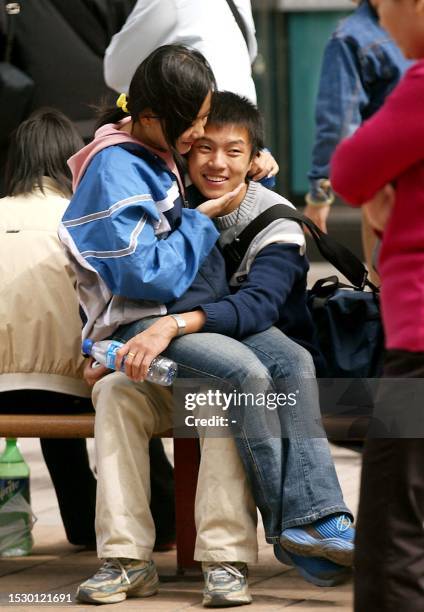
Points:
x=389, y=148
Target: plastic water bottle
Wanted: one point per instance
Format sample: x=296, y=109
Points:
x=16, y=517
x=162, y=370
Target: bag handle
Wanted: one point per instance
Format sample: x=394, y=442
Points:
x=12, y=9
x=338, y=255
x=239, y=20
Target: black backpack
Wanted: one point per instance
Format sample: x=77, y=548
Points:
x=347, y=317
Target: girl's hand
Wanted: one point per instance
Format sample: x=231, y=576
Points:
x=378, y=210
x=143, y=348
x=217, y=207
x=264, y=165
x=92, y=375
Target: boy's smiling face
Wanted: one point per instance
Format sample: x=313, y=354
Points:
x=220, y=160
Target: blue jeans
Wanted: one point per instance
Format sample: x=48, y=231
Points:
x=284, y=450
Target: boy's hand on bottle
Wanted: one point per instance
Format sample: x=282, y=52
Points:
x=263, y=165
x=140, y=351
x=94, y=373
x=218, y=206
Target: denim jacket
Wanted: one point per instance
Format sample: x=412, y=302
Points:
x=361, y=66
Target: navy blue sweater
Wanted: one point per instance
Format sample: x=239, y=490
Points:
x=274, y=293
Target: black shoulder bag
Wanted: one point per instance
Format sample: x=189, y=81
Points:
x=347, y=317
x=16, y=88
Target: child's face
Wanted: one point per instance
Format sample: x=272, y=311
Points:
x=149, y=129
x=220, y=160
x=197, y=128
x=404, y=20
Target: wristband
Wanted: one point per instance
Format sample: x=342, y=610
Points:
x=321, y=194
x=318, y=203
x=181, y=324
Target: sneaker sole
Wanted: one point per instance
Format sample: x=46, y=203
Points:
x=144, y=593
x=96, y=598
x=331, y=549
x=85, y=597
x=332, y=581
x=226, y=601
x=115, y=598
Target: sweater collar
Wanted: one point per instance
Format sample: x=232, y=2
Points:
x=241, y=214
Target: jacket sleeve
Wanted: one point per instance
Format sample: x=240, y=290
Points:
x=340, y=102
x=114, y=228
x=256, y=306
x=385, y=145
x=154, y=269
x=148, y=27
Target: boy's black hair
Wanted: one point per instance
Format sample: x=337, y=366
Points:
x=173, y=81
x=230, y=108
x=41, y=147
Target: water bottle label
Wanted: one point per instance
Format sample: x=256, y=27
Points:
x=111, y=354
x=16, y=518
x=10, y=487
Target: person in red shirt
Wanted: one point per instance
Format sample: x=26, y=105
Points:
x=382, y=168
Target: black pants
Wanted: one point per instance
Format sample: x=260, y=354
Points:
x=73, y=480
x=389, y=556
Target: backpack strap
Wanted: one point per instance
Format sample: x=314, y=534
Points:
x=338, y=255
x=239, y=20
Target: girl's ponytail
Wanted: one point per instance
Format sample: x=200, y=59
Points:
x=107, y=113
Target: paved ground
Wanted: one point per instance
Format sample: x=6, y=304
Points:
x=56, y=567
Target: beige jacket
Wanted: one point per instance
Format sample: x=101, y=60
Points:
x=40, y=328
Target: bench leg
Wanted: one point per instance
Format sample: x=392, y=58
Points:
x=186, y=466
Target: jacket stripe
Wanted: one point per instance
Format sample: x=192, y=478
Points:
x=122, y=252
x=109, y=212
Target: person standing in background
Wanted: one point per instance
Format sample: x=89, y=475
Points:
x=63, y=55
x=360, y=67
x=223, y=31
x=207, y=26
x=384, y=162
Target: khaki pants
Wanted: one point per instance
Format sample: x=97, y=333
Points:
x=127, y=415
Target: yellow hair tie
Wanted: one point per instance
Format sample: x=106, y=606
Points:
x=122, y=102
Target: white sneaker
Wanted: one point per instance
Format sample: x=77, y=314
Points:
x=225, y=585
x=118, y=578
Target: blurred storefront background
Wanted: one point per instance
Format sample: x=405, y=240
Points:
x=291, y=36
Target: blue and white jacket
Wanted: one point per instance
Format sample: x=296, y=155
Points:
x=133, y=245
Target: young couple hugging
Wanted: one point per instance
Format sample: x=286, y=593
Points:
x=149, y=272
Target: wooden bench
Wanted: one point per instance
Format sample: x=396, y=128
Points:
x=82, y=426
x=186, y=465
x=186, y=459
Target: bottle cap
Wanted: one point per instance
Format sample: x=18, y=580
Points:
x=87, y=345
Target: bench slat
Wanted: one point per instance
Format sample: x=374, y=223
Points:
x=47, y=425
x=82, y=426
x=52, y=426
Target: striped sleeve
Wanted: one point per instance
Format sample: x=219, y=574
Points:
x=131, y=229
